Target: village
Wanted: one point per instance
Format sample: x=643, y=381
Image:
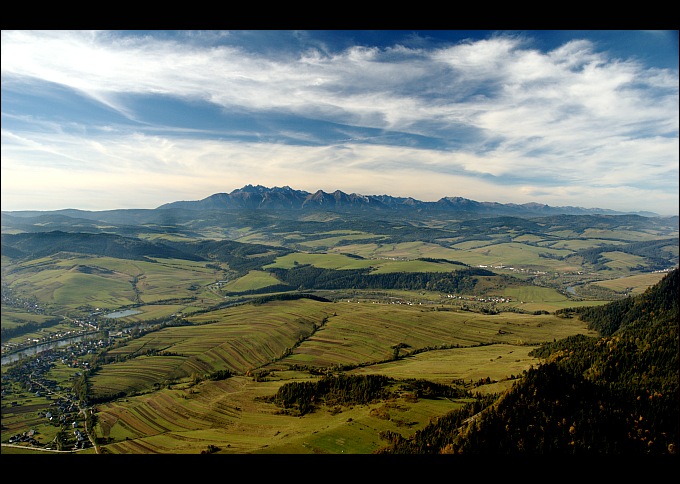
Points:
x=64, y=408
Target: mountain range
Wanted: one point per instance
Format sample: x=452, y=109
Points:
x=287, y=198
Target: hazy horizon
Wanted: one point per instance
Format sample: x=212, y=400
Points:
x=104, y=120
x=313, y=192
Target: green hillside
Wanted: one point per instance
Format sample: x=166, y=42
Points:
x=616, y=394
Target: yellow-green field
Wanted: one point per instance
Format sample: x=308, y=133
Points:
x=577, y=244
x=377, y=266
x=629, y=235
x=635, y=284
x=338, y=239
x=473, y=253
x=184, y=417
x=227, y=415
x=499, y=362
x=12, y=317
x=322, y=261
x=109, y=283
x=237, y=339
x=251, y=281
x=621, y=260
x=171, y=406
x=405, y=250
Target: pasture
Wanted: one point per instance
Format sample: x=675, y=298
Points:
x=162, y=395
x=281, y=339
x=377, y=266
x=13, y=317
x=499, y=362
x=109, y=283
x=634, y=284
x=230, y=415
x=620, y=261
x=253, y=280
x=236, y=339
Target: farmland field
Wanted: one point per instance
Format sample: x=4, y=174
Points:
x=636, y=284
x=447, y=346
x=193, y=350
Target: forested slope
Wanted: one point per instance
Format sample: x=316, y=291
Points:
x=617, y=394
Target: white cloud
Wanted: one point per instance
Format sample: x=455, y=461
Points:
x=516, y=116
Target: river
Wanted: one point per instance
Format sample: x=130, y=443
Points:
x=34, y=350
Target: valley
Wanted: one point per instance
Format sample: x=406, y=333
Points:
x=204, y=313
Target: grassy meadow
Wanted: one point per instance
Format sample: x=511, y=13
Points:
x=109, y=283
x=636, y=284
x=171, y=411
x=155, y=392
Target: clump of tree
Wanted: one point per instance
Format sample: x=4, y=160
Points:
x=306, y=277
x=219, y=375
x=304, y=397
x=27, y=327
x=426, y=389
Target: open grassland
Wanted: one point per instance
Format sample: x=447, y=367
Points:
x=176, y=278
x=69, y=282
x=578, y=244
x=377, y=266
x=513, y=254
x=253, y=280
x=228, y=415
x=359, y=333
x=530, y=293
x=184, y=416
x=620, y=261
x=404, y=250
x=629, y=235
x=528, y=238
x=634, y=284
x=236, y=339
x=499, y=362
x=385, y=267
x=473, y=253
x=12, y=317
x=322, y=261
x=94, y=290
x=109, y=283
x=336, y=240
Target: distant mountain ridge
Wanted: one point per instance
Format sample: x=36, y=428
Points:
x=287, y=198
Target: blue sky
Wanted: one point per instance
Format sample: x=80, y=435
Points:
x=100, y=120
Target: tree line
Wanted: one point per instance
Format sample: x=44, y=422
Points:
x=306, y=277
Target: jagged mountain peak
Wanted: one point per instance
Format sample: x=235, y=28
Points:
x=287, y=198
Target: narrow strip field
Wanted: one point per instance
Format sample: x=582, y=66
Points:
x=281, y=341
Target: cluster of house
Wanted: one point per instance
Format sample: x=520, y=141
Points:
x=63, y=409
x=494, y=299
x=27, y=437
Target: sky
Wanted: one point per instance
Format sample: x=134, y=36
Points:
x=101, y=120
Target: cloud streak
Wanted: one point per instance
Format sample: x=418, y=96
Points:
x=186, y=114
